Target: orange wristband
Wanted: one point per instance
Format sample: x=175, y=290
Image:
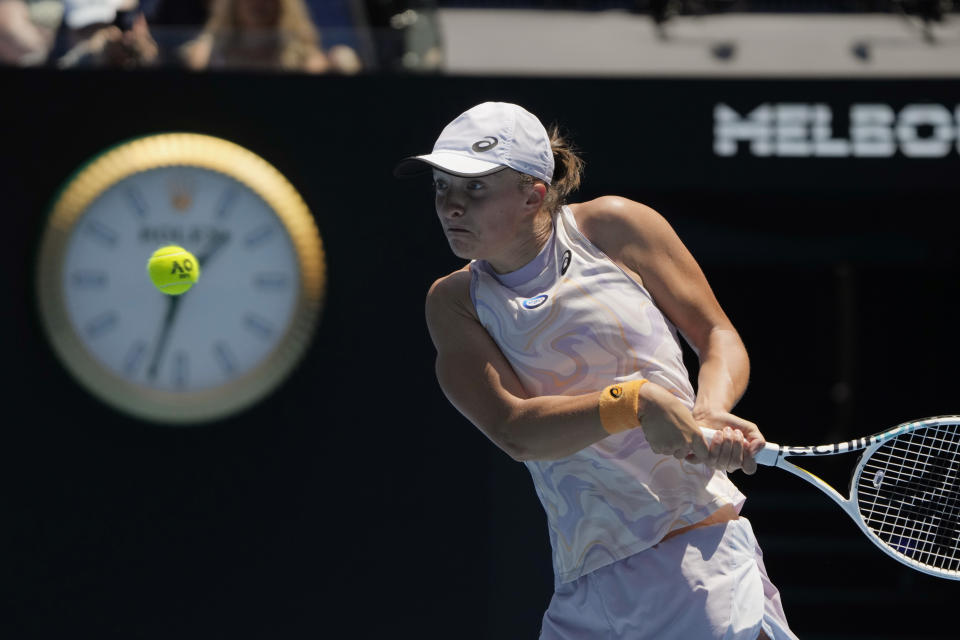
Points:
x=619, y=404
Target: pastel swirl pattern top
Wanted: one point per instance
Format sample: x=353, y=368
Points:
x=571, y=322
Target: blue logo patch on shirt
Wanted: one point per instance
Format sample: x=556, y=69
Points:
x=534, y=302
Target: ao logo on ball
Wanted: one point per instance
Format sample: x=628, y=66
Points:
x=173, y=270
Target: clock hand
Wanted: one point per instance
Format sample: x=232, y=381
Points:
x=218, y=241
x=173, y=303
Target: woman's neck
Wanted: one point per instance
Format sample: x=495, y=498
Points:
x=527, y=247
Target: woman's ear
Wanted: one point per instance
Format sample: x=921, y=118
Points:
x=538, y=191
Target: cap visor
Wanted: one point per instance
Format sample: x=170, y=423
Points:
x=452, y=163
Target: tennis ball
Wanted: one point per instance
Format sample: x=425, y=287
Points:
x=173, y=269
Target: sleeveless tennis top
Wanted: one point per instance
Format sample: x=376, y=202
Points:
x=571, y=322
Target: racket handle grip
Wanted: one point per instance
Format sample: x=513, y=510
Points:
x=766, y=456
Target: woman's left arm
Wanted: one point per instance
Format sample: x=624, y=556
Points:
x=644, y=243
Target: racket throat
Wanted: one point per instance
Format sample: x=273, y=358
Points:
x=802, y=473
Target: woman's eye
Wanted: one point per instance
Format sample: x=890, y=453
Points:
x=439, y=186
x=475, y=186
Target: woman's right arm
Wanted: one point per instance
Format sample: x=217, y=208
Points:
x=479, y=381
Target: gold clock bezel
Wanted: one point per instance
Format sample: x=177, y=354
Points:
x=187, y=150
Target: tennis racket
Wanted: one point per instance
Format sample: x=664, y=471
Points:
x=904, y=492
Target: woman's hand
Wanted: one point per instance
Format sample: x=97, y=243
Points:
x=668, y=424
x=735, y=443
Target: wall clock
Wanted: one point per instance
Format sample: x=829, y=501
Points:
x=224, y=344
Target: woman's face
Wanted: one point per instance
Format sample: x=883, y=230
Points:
x=488, y=217
x=257, y=14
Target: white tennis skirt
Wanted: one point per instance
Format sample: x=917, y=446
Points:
x=708, y=583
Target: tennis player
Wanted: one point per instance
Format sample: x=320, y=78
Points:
x=559, y=341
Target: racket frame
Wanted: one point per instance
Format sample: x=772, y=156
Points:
x=774, y=455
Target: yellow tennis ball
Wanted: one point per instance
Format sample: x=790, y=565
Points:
x=173, y=269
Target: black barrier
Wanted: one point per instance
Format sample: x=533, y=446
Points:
x=354, y=498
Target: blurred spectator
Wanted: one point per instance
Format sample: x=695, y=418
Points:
x=173, y=23
x=105, y=33
x=408, y=34
x=344, y=22
x=265, y=34
x=27, y=31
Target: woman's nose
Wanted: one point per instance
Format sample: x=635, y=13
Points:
x=449, y=207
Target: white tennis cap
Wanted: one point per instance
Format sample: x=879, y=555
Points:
x=486, y=139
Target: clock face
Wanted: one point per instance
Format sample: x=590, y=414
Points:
x=222, y=327
x=214, y=349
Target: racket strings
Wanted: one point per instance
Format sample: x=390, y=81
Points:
x=908, y=493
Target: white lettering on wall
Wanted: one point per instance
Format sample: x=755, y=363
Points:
x=801, y=130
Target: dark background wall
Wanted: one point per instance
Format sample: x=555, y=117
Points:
x=306, y=515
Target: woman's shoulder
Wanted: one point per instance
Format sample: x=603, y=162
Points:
x=611, y=220
x=450, y=294
x=451, y=283
x=610, y=208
